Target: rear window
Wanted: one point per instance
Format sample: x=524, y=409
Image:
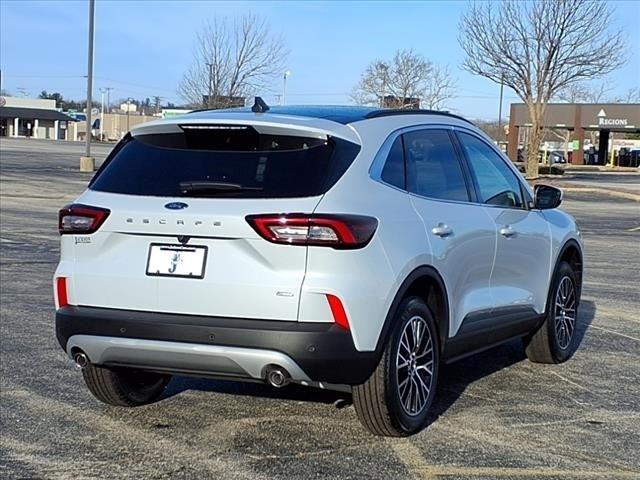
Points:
x=224, y=163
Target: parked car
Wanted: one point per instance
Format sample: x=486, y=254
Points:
x=347, y=248
x=556, y=156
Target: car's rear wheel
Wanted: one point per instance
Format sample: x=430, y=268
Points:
x=556, y=339
x=124, y=387
x=395, y=400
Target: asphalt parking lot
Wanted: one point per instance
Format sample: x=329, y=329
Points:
x=496, y=415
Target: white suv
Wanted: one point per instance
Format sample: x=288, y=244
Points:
x=348, y=248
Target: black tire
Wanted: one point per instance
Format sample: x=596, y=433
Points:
x=124, y=387
x=378, y=401
x=548, y=344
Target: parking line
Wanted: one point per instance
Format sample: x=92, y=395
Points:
x=535, y=472
x=141, y=440
x=615, y=333
x=412, y=458
x=634, y=229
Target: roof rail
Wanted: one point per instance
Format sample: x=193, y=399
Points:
x=387, y=112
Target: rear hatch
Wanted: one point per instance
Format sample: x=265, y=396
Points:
x=177, y=239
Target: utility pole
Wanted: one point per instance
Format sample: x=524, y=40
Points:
x=128, y=110
x=500, y=108
x=210, y=65
x=385, y=70
x=284, y=86
x=108, y=89
x=87, y=163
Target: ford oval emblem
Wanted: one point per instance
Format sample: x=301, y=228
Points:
x=176, y=205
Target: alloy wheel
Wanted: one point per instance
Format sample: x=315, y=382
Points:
x=565, y=312
x=414, y=366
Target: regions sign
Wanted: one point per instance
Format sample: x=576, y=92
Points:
x=603, y=121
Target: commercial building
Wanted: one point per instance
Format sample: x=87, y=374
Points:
x=602, y=119
x=35, y=118
x=116, y=124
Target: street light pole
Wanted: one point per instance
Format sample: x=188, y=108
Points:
x=284, y=86
x=102, y=90
x=500, y=108
x=87, y=163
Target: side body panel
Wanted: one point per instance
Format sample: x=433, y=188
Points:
x=522, y=267
x=366, y=280
x=464, y=258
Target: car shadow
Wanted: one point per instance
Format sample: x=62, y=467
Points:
x=256, y=389
x=453, y=378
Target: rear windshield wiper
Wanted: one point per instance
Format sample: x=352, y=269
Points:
x=207, y=187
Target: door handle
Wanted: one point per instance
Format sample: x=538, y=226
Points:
x=507, y=231
x=442, y=230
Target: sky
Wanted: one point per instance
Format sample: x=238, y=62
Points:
x=143, y=48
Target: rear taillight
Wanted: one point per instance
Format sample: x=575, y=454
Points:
x=337, y=231
x=338, y=312
x=78, y=218
x=62, y=298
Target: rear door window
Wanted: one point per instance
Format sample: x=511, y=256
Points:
x=433, y=167
x=225, y=163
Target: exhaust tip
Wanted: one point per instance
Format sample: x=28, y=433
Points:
x=278, y=377
x=82, y=361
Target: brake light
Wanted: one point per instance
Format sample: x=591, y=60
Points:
x=337, y=310
x=337, y=231
x=62, y=299
x=78, y=218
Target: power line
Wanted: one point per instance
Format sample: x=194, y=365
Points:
x=46, y=76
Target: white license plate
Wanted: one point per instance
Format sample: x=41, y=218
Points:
x=176, y=260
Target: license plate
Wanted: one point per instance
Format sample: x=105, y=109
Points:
x=176, y=260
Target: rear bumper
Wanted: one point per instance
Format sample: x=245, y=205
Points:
x=215, y=346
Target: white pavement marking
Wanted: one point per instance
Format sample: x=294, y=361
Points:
x=615, y=333
x=418, y=468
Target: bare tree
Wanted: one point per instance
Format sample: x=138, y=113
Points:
x=491, y=128
x=583, y=93
x=440, y=88
x=630, y=96
x=232, y=58
x=373, y=85
x=538, y=49
x=399, y=82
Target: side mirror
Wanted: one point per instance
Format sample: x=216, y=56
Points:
x=546, y=197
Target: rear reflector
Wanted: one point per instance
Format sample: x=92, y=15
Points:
x=62, y=299
x=337, y=310
x=337, y=231
x=78, y=218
